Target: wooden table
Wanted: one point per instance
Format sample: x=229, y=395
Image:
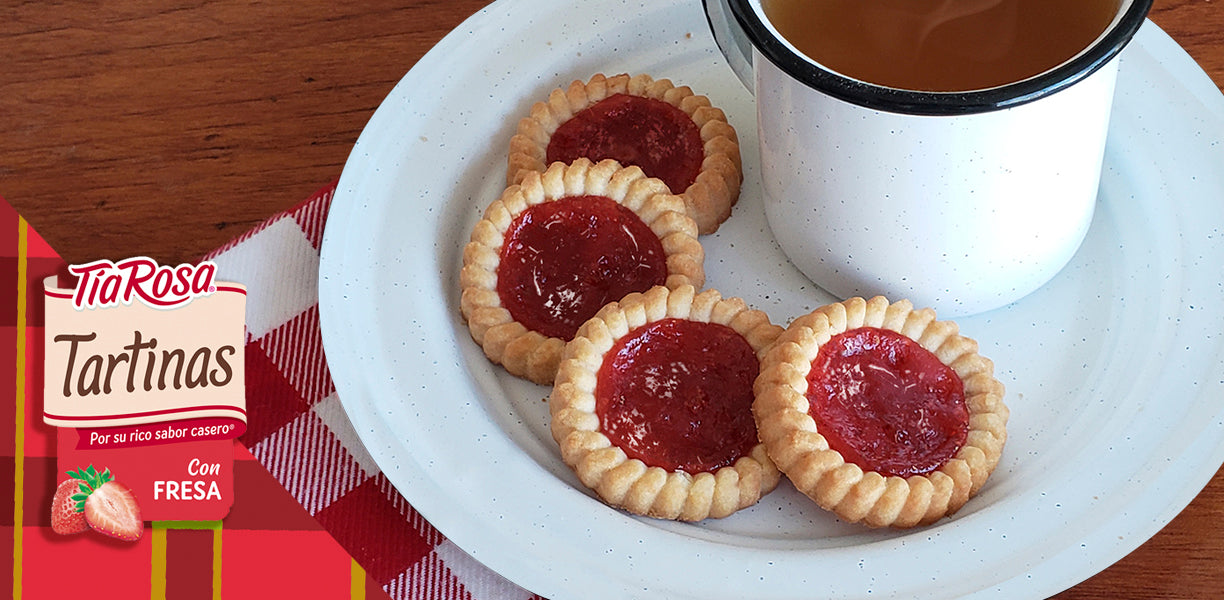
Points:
x=166, y=127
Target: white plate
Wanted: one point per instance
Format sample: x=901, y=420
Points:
x=1115, y=370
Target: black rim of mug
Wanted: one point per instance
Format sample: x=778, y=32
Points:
x=940, y=103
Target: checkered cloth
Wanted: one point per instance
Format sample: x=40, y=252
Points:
x=306, y=492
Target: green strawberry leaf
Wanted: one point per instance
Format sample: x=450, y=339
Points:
x=106, y=476
x=91, y=477
x=79, y=502
x=84, y=488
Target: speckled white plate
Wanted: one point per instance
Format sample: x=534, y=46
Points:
x=1115, y=370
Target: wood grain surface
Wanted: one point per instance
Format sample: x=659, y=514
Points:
x=166, y=127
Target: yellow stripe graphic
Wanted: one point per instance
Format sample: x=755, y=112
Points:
x=157, y=562
x=216, y=565
x=357, y=586
x=19, y=434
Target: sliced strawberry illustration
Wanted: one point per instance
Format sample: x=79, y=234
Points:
x=67, y=515
x=112, y=509
x=108, y=506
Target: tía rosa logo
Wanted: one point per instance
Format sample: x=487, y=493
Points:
x=104, y=283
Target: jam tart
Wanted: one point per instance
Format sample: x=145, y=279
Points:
x=668, y=131
x=881, y=413
x=552, y=250
x=652, y=404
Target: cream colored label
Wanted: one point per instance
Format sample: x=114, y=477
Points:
x=131, y=363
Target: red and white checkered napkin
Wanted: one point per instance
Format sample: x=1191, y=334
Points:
x=298, y=430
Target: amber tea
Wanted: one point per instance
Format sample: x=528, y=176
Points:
x=940, y=45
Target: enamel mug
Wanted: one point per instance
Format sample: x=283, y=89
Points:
x=960, y=201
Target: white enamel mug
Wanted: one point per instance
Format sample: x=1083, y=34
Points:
x=961, y=201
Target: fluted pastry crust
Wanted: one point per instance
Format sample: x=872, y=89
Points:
x=602, y=466
x=507, y=342
x=709, y=198
x=794, y=442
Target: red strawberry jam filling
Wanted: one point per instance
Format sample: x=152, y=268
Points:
x=657, y=137
x=561, y=261
x=886, y=403
x=677, y=394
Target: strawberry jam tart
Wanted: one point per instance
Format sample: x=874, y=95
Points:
x=880, y=413
x=669, y=132
x=553, y=250
x=652, y=405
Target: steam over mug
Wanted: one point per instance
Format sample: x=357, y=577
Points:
x=962, y=201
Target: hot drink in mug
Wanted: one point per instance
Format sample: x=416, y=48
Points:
x=944, y=151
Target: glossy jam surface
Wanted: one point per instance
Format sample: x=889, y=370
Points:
x=653, y=135
x=886, y=403
x=677, y=394
x=561, y=261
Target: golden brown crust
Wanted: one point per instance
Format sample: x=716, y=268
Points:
x=795, y=444
x=709, y=198
x=526, y=353
x=629, y=483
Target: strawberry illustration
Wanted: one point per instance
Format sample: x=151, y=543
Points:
x=112, y=509
x=109, y=506
x=67, y=514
